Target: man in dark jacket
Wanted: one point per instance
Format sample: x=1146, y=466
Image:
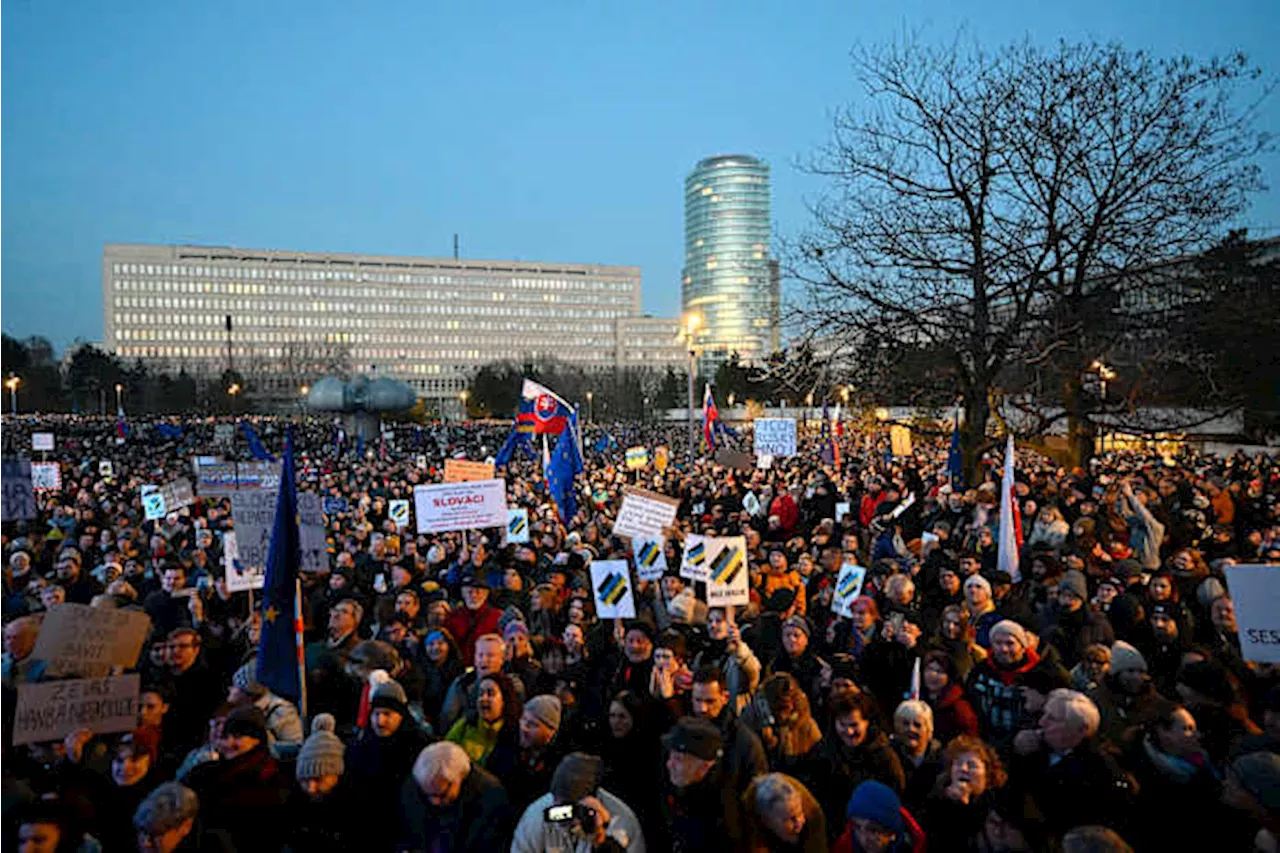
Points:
x=744, y=757
x=526, y=765
x=994, y=686
x=450, y=805
x=379, y=760
x=195, y=687
x=700, y=811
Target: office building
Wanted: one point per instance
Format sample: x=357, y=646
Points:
x=730, y=282
x=650, y=342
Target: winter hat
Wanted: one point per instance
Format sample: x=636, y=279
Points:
x=1209, y=678
x=1008, y=626
x=1125, y=657
x=387, y=693
x=695, y=736
x=780, y=600
x=682, y=606
x=1209, y=591
x=1126, y=569
x=577, y=776
x=1045, y=680
x=144, y=740
x=322, y=753
x=545, y=709
x=1259, y=774
x=876, y=802
x=246, y=679
x=510, y=615
x=978, y=580
x=1075, y=583
x=513, y=627
x=799, y=622
x=246, y=721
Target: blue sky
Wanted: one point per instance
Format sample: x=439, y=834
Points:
x=544, y=131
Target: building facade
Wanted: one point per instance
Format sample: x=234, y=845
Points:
x=730, y=283
x=650, y=342
x=429, y=321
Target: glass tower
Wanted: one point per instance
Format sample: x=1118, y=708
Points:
x=729, y=281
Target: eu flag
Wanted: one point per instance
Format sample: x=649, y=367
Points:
x=517, y=440
x=955, y=460
x=256, y=447
x=564, y=465
x=279, y=653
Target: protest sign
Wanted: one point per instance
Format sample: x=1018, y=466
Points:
x=848, y=588
x=645, y=514
x=735, y=459
x=311, y=533
x=727, y=577
x=333, y=506
x=153, y=505
x=239, y=577
x=637, y=457
x=612, y=587
x=221, y=479
x=462, y=471
x=900, y=440
x=421, y=461
x=224, y=433
x=19, y=499
x=254, y=514
x=76, y=639
x=398, y=510
x=42, y=441
x=51, y=710
x=1255, y=592
x=775, y=437
x=517, y=526
x=842, y=509
x=660, y=458
x=764, y=463
x=177, y=494
x=46, y=476
x=693, y=565
x=651, y=559
x=105, y=468
x=460, y=506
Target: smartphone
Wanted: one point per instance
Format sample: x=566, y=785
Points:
x=896, y=620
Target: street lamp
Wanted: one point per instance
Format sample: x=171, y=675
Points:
x=691, y=323
x=644, y=405
x=12, y=384
x=464, y=396
x=591, y=407
x=119, y=406
x=1105, y=375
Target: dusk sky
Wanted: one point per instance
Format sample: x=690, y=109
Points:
x=542, y=131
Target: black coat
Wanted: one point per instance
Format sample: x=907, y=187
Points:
x=1086, y=786
x=243, y=797
x=331, y=825
x=831, y=771
x=480, y=819
x=376, y=767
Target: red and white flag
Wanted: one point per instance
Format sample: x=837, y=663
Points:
x=1010, y=519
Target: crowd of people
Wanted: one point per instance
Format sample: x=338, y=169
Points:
x=463, y=695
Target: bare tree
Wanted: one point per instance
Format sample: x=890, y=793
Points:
x=995, y=208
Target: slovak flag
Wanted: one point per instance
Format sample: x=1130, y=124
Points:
x=1010, y=541
x=710, y=418
x=542, y=411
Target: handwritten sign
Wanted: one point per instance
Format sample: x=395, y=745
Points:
x=611, y=585
x=651, y=559
x=19, y=499
x=848, y=588
x=645, y=514
x=398, y=510
x=460, y=506
x=42, y=441
x=775, y=437
x=462, y=471
x=51, y=710
x=1255, y=592
x=727, y=576
x=76, y=639
x=46, y=477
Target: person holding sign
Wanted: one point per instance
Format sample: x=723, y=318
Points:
x=726, y=652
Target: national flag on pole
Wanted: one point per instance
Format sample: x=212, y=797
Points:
x=955, y=459
x=710, y=418
x=830, y=444
x=256, y=446
x=563, y=466
x=517, y=439
x=1010, y=541
x=542, y=410
x=122, y=428
x=280, y=654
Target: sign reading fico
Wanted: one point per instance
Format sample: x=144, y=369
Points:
x=469, y=505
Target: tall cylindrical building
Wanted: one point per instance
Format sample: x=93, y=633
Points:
x=730, y=282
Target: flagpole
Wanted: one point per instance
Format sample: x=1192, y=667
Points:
x=302, y=660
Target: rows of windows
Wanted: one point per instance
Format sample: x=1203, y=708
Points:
x=557, y=306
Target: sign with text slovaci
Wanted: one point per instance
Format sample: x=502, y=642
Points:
x=254, y=514
x=848, y=588
x=398, y=510
x=76, y=639
x=645, y=514
x=51, y=710
x=42, y=441
x=223, y=478
x=1255, y=592
x=651, y=559
x=46, y=477
x=611, y=584
x=727, y=576
x=19, y=499
x=469, y=505
x=775, y=437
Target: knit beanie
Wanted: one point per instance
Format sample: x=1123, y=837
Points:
x=1008, y=626
x=1125, y=657
x=246, y=679
x=876, y=802
x=1075, y=583
x=246, y=721
x=322, y=753
x=545, y=709
x=513, y=627
x=799, y=622
x=682, y=606
x=1209, y=591
x=577, y=776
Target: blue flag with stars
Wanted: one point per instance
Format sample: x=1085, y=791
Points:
x=565, y=464
x=278, y=653
x=256, y=446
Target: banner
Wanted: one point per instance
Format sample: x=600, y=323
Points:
x=468, y=505
x=51, y=710
x=728, y=582
x=1255, y=592
x=848, y=588
x=19, y=499
x=637, y=457
x=224, y=478
x=42, y=441
x=775, y=437
x=651, y=559
x=398, y=510
x=239, y=577
x=463, y=471
x=693, y=565
x=900, y=440
x=46, y=476
x=76, y=639
x=645, y=514
x=611, y=584
x=517, y=526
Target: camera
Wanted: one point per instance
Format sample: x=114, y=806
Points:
x=569, y=813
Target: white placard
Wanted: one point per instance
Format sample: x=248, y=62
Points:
x=239, y=577
x=611, y=586
x=727, y=575
x=1255, y=592
x=469, y=505
x=224, y=433
x=842, y=510
x=153, y=505
x=517, y=526
x=693, y=563
x=651, y=559
x=105, y=468
x=51, y=710
x=398, y=510
x=254, y=514
x=645, y=514
x=764, y=463
x=42, y=441
x=46, y=477
x=775, y=437
x=848, y=588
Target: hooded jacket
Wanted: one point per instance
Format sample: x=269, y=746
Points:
x=535, y=835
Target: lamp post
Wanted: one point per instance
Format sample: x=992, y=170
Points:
x=12, y=384
x=1105, y=375
x=644, y=406
x=233, y=390
x=691, y=327
x=591, y=407
x=119, y=405
x=464, y=396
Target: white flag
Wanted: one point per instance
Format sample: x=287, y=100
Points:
x=1010, y=519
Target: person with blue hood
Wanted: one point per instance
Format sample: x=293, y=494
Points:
x=876, y=822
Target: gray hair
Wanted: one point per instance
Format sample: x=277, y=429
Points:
x=914, y=709
x=444, y=760
x=166, y=808
x=773, y=789
x=1079, y=710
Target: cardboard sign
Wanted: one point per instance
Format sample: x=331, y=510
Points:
x=42, y=441
x=645, y=514
x=19, y=499
x=661, y=458
x=106, y=469
x=51, y=710
x=775, y=437
x=693, y=565
x=611, y=585
x=735, y=459
x=764, y=463
x=177, y=494
x=637, y=457
x=517, y=526
x=1255, y=592
x=398, y=510
x=651, y=559
x=469, y=505
x=238, y=576
x=46, y=476
x=76, y=639
x=728, y=582
x=222, y=479
x=848, y=588
x=463, y=471
x=900, y=440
